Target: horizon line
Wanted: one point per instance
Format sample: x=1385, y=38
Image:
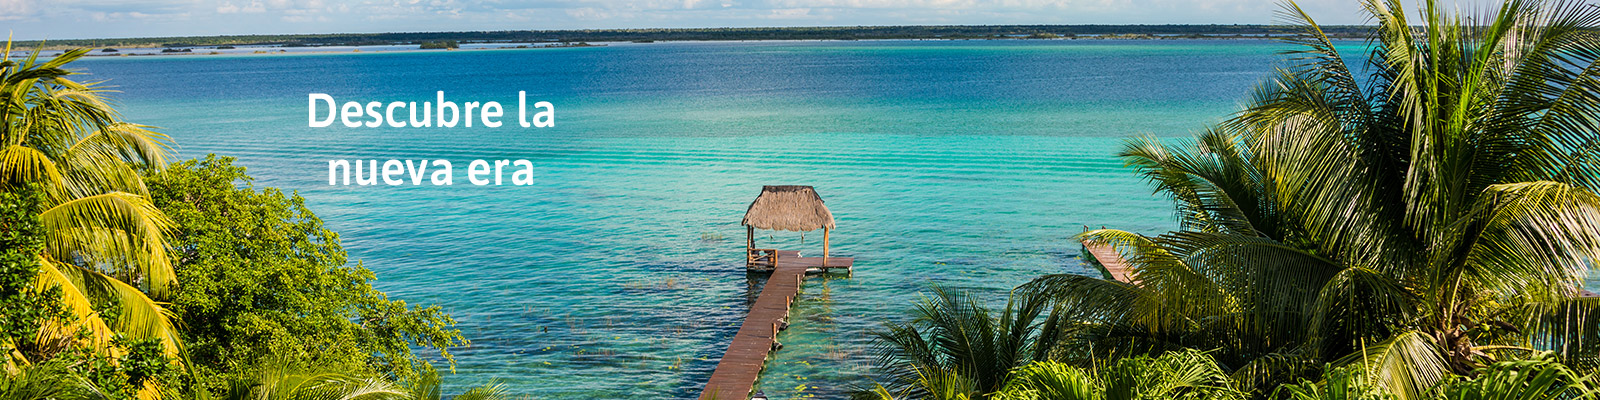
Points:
x=47, y=40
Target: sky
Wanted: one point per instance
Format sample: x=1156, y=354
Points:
x=80, y=19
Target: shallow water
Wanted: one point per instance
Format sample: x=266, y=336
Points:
x=963, y=163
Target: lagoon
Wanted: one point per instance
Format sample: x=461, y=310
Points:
x=618, y=272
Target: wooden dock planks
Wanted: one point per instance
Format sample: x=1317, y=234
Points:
x=735, y=376
x=816, y=262
x=1111, y=260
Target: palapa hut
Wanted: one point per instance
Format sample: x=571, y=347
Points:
x=785, y=208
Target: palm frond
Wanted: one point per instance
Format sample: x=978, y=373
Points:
x=122, y=230
x=955, y=335
x=1049, y=380
x=20, y=165
x=1185, y=374
x=54, y=381
x=76, y=301
x=1348, y=383
x=489, y=391
x=1359, y=306
x=1533, y=240
x=1408, y=365
x=1569, y=329
x=1538, y=378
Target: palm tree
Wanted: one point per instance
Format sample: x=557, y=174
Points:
x=47, y=381
x=1431, y=216
x=278, y=380
x=1538, y=377
x=282, y=379
x=955, y=347
x=105, y=243
x=427, y=387
x=1050, y=380
x=1176, y=375
x=1185, y=374
x=1345, y=383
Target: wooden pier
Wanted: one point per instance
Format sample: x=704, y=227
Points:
x=735, y=376
x=1115, y=267
x=791, y=208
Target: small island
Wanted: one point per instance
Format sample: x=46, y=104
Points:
x=442, y=44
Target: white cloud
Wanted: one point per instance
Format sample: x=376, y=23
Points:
x=135, y=16
x=253, y=8
x=790, y=13
x=15, y=9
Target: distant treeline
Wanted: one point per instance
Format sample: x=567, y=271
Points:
x=442, y=44
x=640, y=35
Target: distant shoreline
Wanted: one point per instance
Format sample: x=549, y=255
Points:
x=270, y=50
x=1152, y=32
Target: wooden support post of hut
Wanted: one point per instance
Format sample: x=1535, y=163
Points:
x=789, y=208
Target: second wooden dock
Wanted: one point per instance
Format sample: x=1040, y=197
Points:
x=1111, y=260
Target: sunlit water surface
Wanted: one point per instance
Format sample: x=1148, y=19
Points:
x=618, y=273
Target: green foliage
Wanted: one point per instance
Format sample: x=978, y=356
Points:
x=282, y=380
x=263, y=280
x=1051, y=380
x=1420, y=220
x=24, y=307
x=144, y=362
x=1186, y=374
x=64, y=366
x=956, y=347
x=48, y=381
x=103, y=259
x=427, y=388
x=442, y=44
x=84, y=254
x=490, y=391
x=1189, y=375
x=1176, y=375
x=1408, y=365
x=1540, y=377
x=1346, y=383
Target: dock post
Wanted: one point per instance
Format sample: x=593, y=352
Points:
x=825, y=232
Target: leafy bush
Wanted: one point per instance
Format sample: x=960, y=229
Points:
x=264, y=281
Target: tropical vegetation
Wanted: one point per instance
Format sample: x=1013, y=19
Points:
x=102, y=245
x=123, y=275
x=269, y=283
x=1412, y=222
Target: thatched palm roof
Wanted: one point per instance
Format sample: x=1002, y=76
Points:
x=788, y=208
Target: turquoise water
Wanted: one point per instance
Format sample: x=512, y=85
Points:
x=618, y=273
